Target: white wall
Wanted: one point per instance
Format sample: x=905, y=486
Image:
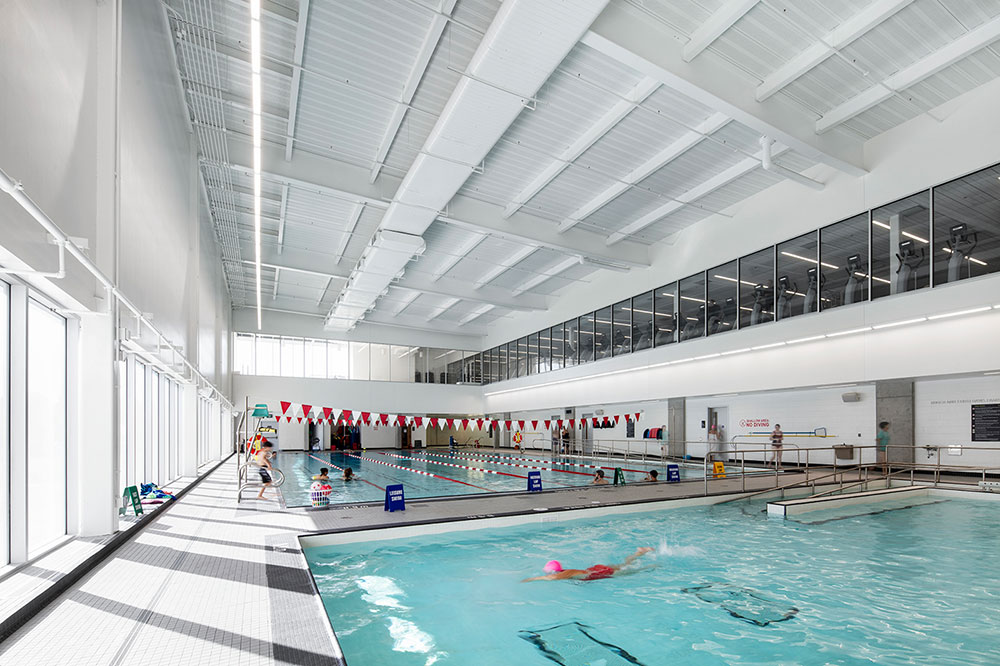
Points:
x=943, y=417
x=803, y=410
x=902, y=161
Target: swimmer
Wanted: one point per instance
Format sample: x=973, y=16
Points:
x=599, y=479
x=554, y=571
x=348, y=474
x=324, y=475
x=652, y=475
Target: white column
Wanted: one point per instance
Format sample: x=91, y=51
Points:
x=92, y=419
x=188, y=441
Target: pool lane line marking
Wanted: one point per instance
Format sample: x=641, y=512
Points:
x=474, y=469
x=417, y=471
x=550, y=462
x=509, y=464
x=327, y=462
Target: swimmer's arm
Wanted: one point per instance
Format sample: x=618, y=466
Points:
x=558, y=575
x=639, y=552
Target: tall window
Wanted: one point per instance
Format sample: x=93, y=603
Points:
x=46, y=420
x=4, y=420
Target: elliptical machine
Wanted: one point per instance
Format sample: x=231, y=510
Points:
x=909, y=261
x=761, y=303
x=961, y=242
x=816, y=281
x=786, y=289
x=854, y=267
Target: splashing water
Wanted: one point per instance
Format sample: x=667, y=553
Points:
x=667, y=550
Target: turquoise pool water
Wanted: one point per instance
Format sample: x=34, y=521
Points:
x=918, y=584
x=506, y=473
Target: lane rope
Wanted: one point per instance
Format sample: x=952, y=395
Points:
x=550, y=462
x=497, y=462
x=437, y=462
x=417, y=471
x=327, y=462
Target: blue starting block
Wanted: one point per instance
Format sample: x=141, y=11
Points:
x=534, y=481
x=394, y=498
x=673, y=474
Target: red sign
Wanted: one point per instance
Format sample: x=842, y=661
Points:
x=755, y=423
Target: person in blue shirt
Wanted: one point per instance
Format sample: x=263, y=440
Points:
x=882, y=446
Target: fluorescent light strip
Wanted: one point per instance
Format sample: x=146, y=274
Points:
x=850, y=332
x=775, y=344
x=881, y=224
x=255, y=49
x=914, y=237
x=899, y=323
x=972, y=259
x=959, y=313
x=809, y=339
x=807, y=260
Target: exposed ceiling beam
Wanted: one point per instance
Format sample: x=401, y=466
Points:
x=322, y=294
x=277, y=277
x=830, y=43
x=635, y=96
x=407, y=302
x=293, y=89
x=731, y=174
x=296, y=269
x=684, y=143
x=624, y=32
x=508, y=263
x=281, y=216
x=461, y=252
x=427, y=48
x=236, y=52
x=418, y=323
x=278, y=10
x=475, y=314
x=533, y=282
x=467, y=292
x=352, y=223
x=927, y=66
x=440, y=310
x=716, y=25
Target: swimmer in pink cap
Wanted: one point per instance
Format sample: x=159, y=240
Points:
x=554, y=570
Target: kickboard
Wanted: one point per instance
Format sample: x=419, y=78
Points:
x=574, y=644
x=744, y=603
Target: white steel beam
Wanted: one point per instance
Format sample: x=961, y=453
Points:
x=460, y=253
x=293, y=94
x=717, y=24
x=944, y=57
x=833, y=41
x=274, y=292
x=533, y=282
x=686, y=142
x=427, y=48
x=281, y=216
x=440, y=310
x=407, y=302
x=322, y=294
x=638, y=93
x=734, y=172
x=626, y=33
x=502, y=268
x=352, y=223
x=475, y=314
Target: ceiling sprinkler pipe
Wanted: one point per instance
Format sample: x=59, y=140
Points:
x=769, y=165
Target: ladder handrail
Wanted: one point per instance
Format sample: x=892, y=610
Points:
x=798, y=483
x=887, y=477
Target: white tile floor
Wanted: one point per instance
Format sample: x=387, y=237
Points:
x=216, y=582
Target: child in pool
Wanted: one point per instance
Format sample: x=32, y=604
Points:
x=554, y=571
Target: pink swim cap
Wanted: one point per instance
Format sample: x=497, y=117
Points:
x=552, y=566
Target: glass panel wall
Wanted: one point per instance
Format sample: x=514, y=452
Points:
x=338, y=360
x=268, y=356
x=46, y=419
x=757, y=288
x=243, y=354
x=587, y=338
x=665, y=314
x=621, y=326
x=4, y=422
x=602, y=333
x=843, y=257
x=691, y=307
x=532, y=365
x=798, y=276
x=723, y=289
x=571, y=345
x=403, y=364
x=315, y=364
x=556, y=334
x=642, y=321
x=360, y=360
x=901, y=233
x=502, y=363
x=967, y=226
x=545, y=350
x=292, y=357
x=380, y=362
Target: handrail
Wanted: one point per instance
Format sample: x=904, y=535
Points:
x=800, y=482
x=842, y=488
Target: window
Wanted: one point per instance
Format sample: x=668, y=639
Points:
x=532, y=364
x=967, y=226
x=571, y=346
x=691, y=307
x=587, y=338
x=243, y=354
x=665, y=307
x=556, y=334
x=757, y=288
x=4, y=421
x=338, y=360
x=843, y=262
x=360, y=360
x=315, y=358
x=602, y=333
x=380, y=362
x=268, y=356
x=544, y=350
x=798, y=276
x=403, y=367
x=46, y=419
x=642, y=321
x=292, y=357
x=621, y=328
x=522, y=357
x=901, y=233
x=723, y=290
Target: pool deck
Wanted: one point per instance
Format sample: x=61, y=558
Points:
x=211, y=581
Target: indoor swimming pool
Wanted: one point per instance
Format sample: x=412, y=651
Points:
x=436, y=473
x=895, y=582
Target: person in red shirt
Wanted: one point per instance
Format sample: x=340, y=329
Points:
x=777, y=439
x=554, y=571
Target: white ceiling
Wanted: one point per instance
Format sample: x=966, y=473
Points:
x=613, y=153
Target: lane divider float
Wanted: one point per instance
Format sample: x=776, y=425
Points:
x=509, y=464
x=417, y=471
x=550, y=462
x=327, y=462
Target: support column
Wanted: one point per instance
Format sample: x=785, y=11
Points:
x=894, y=403
x=96, y=432
x=189, y=431
x=676, y=427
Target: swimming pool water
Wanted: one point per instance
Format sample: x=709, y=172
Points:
x=914, y=585
x=299, y=469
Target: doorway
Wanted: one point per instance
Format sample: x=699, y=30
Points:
x=718, y=441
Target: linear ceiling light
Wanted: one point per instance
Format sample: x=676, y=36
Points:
x=256, y=92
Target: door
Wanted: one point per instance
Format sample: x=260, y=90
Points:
x=718, y=442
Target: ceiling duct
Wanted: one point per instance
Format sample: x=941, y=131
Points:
x=523, y=46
